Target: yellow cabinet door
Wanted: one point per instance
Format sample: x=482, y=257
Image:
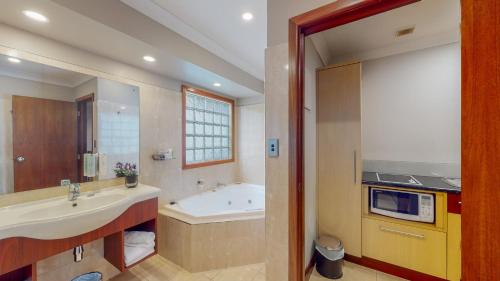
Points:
x=414, y=248
x=454, y=251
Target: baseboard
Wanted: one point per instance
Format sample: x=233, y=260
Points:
x=391, y=269
x=310, y=266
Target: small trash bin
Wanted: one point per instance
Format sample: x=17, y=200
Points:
x=91, y=276
x=329, y=256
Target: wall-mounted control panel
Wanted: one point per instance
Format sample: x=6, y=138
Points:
x=273, y=147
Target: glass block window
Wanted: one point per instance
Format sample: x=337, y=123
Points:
x=208, y=129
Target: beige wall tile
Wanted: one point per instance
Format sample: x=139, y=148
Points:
x=251, y=143
x=277, y=168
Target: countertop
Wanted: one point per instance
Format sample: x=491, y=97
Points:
x=428, y=183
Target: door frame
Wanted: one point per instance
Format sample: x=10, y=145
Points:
x=480, y=125
x=80, y=103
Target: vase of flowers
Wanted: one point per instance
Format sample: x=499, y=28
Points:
x=129, y=171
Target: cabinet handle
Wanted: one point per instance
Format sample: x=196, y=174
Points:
x=355, y=172
x=409, y=234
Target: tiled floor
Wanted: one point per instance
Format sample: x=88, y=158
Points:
x=354, y=272
x=159, y=269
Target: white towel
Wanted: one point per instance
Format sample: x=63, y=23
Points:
x=139, y=238
x=134, y=254
x=89, y=165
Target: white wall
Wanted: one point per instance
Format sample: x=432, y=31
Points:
x=86, y=88
x=251, y=143
x=312, y=62
x=411, y=109
x=20, y=87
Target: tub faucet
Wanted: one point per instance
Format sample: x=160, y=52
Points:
x=220, y=184
x=73, y=191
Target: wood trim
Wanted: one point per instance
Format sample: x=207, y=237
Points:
x=454, y=204
x=329, y=16
x=480, y=38
x=388, y=268
x=310, y=266
x=18, y=252
x=85, y=98
x=184, y=90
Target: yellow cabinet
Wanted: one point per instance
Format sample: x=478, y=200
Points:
x=454, y=252
x=410, y=247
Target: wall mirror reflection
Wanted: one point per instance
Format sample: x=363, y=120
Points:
x=59, y=126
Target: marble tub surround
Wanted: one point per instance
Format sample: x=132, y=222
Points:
x=56, y=191
x=57, y=218
x=210, y=246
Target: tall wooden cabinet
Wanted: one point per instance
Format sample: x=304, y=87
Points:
x=339, y=154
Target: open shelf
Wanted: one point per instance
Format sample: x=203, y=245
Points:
x=114, y=245
x=24, y=273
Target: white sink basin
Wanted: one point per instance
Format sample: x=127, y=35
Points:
x=57, y=218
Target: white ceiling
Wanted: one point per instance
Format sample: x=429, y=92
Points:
x=436, y=22
x=217, y=26
x=41, y=73
x=69, y=25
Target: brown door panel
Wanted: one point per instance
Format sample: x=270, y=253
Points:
x=44, y=133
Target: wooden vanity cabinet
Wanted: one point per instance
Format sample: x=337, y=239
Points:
x=339, y=168
x=19, y=255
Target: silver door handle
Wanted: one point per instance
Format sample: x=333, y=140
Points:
x=20, y=159
x=409, y=234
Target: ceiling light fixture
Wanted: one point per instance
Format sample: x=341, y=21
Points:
x=217, y=84
x=247, y=16
x=14, y=60
x=35, y=16
x=149, y=58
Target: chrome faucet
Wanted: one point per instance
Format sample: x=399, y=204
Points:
x=220, y=184
x=73, y=191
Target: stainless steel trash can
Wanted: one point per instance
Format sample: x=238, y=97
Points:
x=329, y=256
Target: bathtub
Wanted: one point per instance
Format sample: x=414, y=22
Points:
x=215, y=229
x=234, y=202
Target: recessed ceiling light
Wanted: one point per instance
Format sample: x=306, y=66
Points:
x=149, y=58
x=14, y=60
x=35, y=16
x=217, y=84
x=247, y=16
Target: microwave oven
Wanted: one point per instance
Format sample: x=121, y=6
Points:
x=401, y=204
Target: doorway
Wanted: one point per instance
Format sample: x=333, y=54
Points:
x=479, y=112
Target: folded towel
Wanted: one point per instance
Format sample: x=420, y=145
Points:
x=135, y=254
x=143, y=238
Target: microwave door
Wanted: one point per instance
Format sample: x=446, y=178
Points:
x=395, y=204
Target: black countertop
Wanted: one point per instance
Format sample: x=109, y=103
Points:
x=428, y=183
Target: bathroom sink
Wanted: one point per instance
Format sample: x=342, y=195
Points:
x=63, y=207
x=57, y=218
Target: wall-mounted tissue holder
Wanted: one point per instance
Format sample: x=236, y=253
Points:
x=164, y=155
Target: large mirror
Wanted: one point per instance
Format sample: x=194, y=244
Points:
x=58, y=126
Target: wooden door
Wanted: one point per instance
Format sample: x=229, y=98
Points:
x=44, y=142
x=339, y=160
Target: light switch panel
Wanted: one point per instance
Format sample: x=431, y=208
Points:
x=273, y=147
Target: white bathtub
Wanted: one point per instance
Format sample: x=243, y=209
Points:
x=240, y=201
